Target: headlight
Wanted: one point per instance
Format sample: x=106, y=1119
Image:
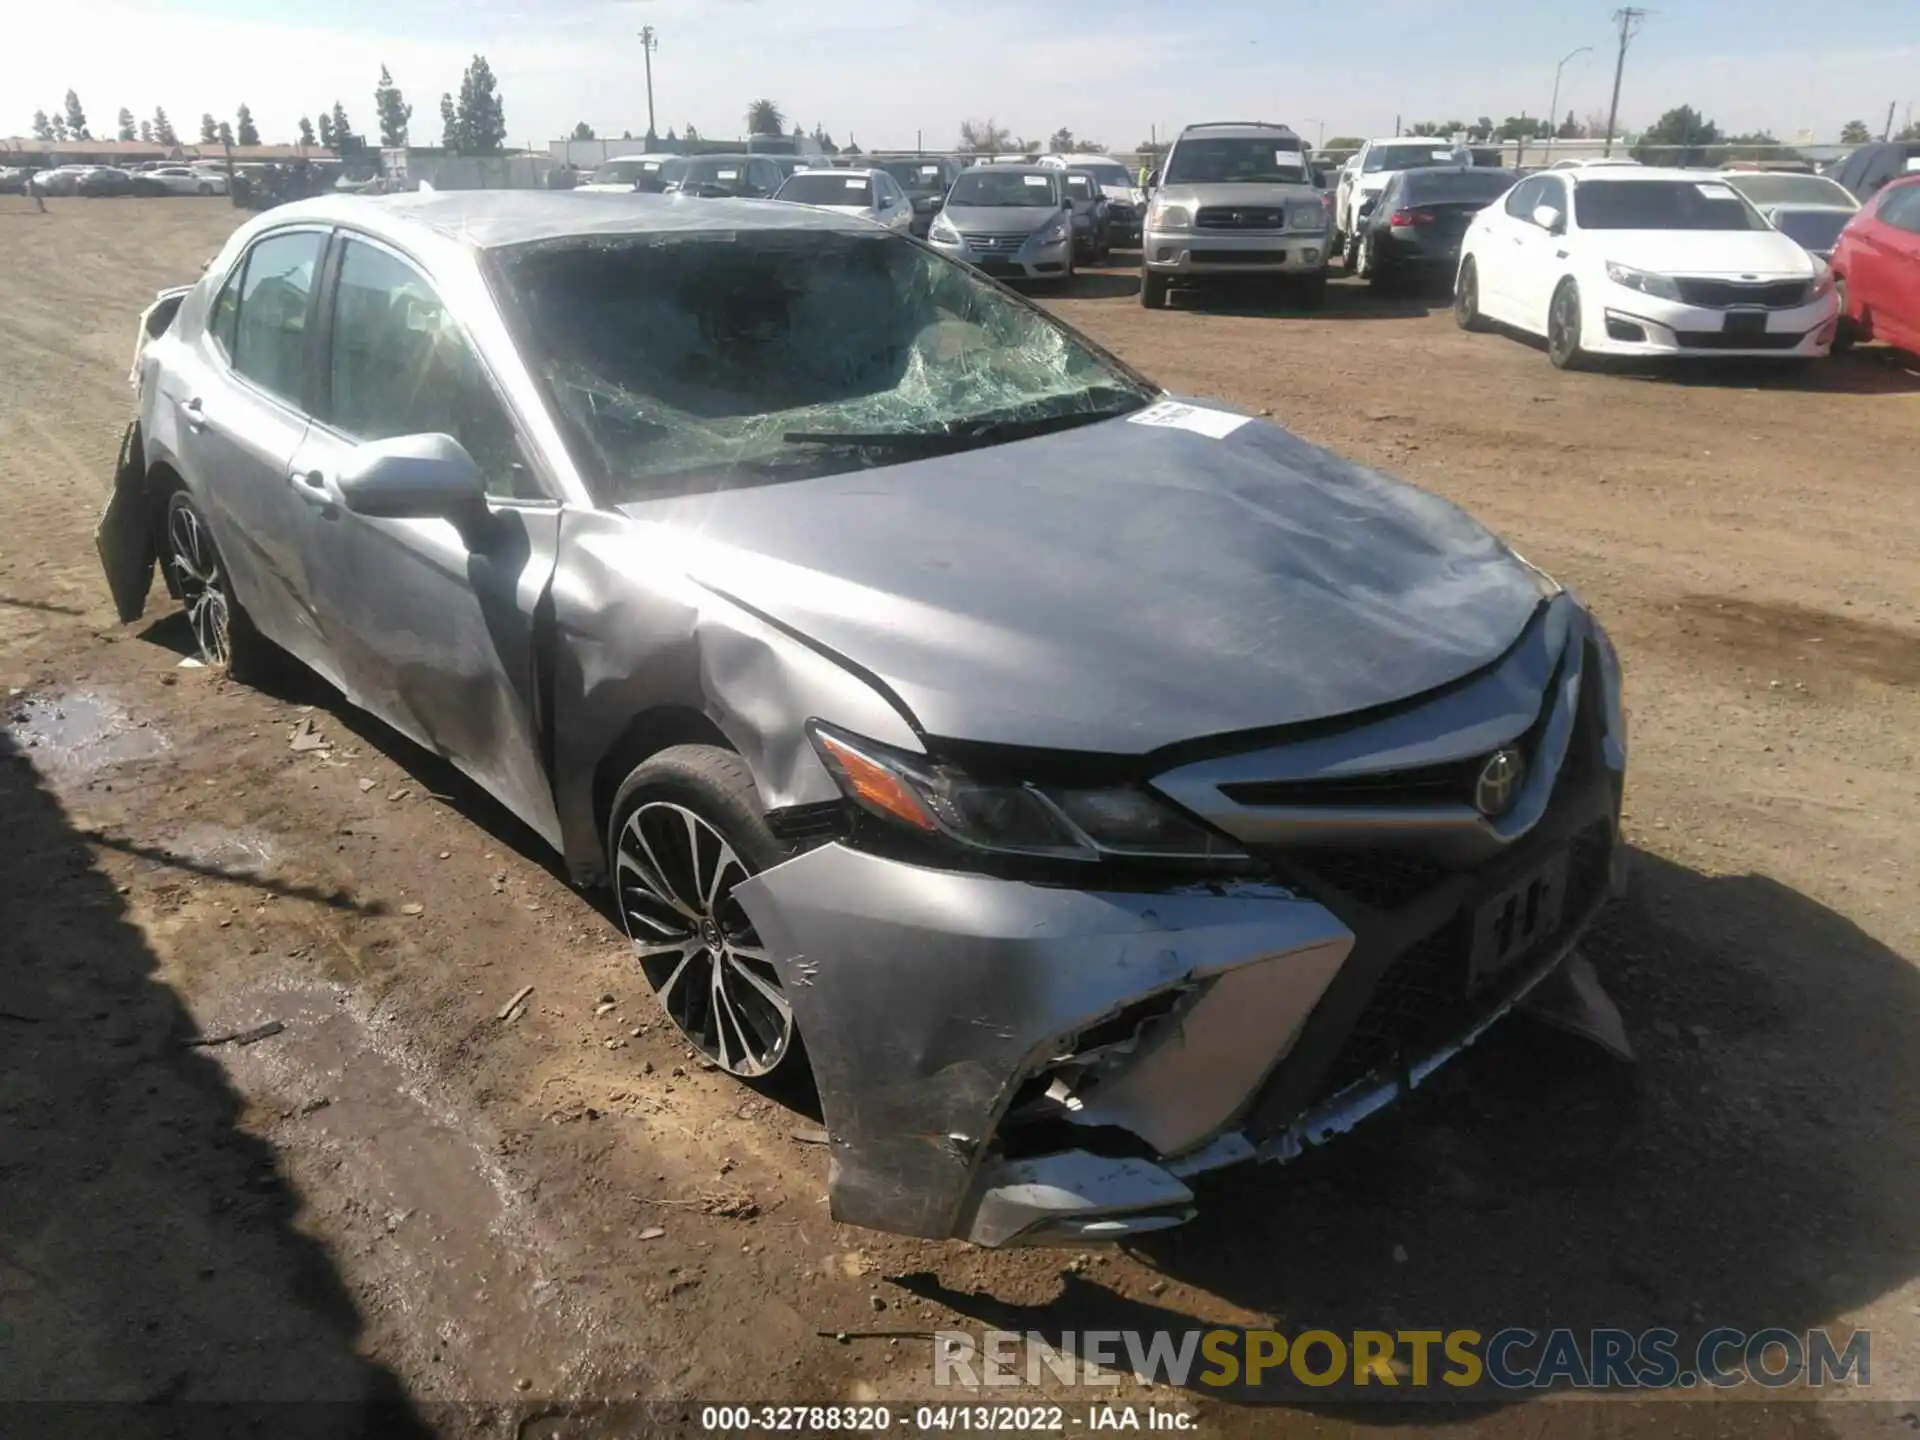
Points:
x=1822, y=281
x=1661, y=287
x=938, y=801
x=942, y=229
x=1308, y=217
x=1056, y=230
x=1170, y=217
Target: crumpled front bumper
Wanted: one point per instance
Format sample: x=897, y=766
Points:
x=940, y=1009
x=931, y=999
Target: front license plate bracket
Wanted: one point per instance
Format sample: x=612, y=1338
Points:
x=1518, y=920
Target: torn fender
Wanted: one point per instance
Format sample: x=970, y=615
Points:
x=925, y=997
x=124, y=536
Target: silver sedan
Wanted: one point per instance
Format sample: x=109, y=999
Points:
x=1038, y=757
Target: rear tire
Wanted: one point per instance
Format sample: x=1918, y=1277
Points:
x=1466, y=298
x=1153, y=290
x=205, y=189
x=687, y=826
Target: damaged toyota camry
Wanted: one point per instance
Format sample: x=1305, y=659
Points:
x=1090, y=787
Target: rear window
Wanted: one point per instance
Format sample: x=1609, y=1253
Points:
x=1815, y=229
x=1444, y=185
x=1413, y=157
x=1662, y=205
x=825, y=187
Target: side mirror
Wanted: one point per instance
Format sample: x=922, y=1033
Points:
x=413, y=477
x=1153, y=180
x=1547, y=218
x=936, y=204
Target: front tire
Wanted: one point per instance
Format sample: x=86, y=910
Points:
x=205, y=189
x=686, y=827
x=1845, y=332
x=1153, y=290
x=1563, y=328
x=224, y=636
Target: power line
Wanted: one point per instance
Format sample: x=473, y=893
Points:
x=1629, y=21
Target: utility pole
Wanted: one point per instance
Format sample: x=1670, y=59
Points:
x=1629, y=19
x=649, y=42
x=1887, y=134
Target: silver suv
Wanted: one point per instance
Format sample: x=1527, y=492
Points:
x=1234, y=198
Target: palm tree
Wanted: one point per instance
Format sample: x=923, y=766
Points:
x=764, y=118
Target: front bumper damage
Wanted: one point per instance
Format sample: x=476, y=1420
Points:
x=1016, y=1063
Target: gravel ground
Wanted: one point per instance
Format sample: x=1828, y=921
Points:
x=402, y=1198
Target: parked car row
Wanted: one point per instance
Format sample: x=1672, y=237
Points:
x=105, y=180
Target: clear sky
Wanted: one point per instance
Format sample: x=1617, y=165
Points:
x=884, y=70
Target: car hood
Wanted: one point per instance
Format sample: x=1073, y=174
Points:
x=1000, y=219
x=1764, y=253
x=1118, y=587
x=1242, y=193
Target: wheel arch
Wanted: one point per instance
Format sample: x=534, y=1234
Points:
x=647, y=734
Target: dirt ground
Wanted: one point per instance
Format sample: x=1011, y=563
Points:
x=402, y=1200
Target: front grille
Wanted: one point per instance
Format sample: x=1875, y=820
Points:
x=1724, y=294
x=1720, y=340
x=1120, y=210
x=1448, y=784
x=1421, y=1000
x=1378, y=879
x=1239, y=257
x=1236, y=217
x=987, y=243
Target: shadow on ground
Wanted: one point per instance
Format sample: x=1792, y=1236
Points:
x=1753, y=1169
x=152, y=1280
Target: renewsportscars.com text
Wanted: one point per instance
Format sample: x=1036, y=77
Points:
x=1423, y=1364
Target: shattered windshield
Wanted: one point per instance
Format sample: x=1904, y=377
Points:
x=696, y=360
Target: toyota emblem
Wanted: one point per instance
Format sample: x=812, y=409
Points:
x=1499, y=783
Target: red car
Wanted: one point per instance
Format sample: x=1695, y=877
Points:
x=1877, y=262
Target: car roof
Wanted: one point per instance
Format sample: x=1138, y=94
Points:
x=491, y=219
x=1024, y=169
x=1237, y=129
x=1627, y=174
x=867, y=170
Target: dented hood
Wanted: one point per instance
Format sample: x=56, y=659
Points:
x=1118, y=587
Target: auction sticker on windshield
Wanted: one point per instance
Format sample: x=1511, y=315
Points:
x=1172, y=415
x=1039, y=182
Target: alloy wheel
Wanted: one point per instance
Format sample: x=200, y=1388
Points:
x=196, y=569
x=674, y=878
x=1563, y=326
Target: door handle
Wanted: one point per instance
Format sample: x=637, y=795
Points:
x=312, y=486
x=195, y=417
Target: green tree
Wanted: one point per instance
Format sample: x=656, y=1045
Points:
x=245, y=132
x=393, y=110
x=146, y=132
x=1569, y=129
x=76, y=118
x=1522, y=127
x=209, y=130
x=306, y=131
x=583, y=131
x=1481, y=129
x=42, y=126
x=1682, y=136
x=1344, y=142
x=1061, y=141
x=985, y=137
x=60, y=129
x=764, y=118
x=1855, y=132
x=163, y=133
x=344, y=140
x=224, y=134
x=127, y=129
x=824, y=140
x=1911, y=132
x=326, y=130
x=693, y=135
x=482, y=118
x=449, y=126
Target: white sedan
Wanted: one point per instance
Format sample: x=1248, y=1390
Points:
x=1642, y=262
x=183, y=180
x=871, y=194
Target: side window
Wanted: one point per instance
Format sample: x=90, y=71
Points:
x=225, y=313
x=400, y=365
x=270, y=332
x=1525, y=196
x=1901, y=208
x=1553, y=192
